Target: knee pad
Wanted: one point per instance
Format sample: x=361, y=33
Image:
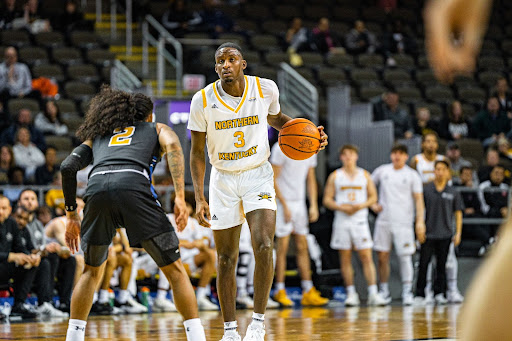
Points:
x=164, y=248
x=95, y=255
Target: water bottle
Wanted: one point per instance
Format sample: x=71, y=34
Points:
x=144, y=296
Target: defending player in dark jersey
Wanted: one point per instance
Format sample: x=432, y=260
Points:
x=125, y=147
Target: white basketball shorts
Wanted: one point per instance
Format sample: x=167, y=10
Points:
x=299, y=223
x=400, y=234
x=347, y=232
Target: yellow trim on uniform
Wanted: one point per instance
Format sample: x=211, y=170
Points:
x=246, y=90
x=203, y=93
x=259, y=86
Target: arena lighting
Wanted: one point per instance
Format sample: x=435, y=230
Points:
x=179, y=117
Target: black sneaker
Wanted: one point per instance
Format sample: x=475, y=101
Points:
x=20, y=311
x=101, y=309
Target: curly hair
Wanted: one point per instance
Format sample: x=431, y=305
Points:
x=111, y=109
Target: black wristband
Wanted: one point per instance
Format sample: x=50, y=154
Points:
x=71, y=208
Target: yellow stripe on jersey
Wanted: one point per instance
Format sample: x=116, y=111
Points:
x=351, y=187
x=259, y=86
x=203, y=93
x=224, y=103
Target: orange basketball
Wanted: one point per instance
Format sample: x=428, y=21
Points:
x=299, y=139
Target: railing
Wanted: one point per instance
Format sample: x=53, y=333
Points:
x=113, y=21
x=297, y=92
x=123, y=79
x=164, y=37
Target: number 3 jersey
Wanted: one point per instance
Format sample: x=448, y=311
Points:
x=236, y=127
x=351, y=190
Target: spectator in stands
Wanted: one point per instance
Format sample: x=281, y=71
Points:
x=15, y=261
x=16, y=178
x=35, y=20
x=494, y=204
x=70, y=19
x=503, y=145
x=49, y=122
x=491, y=122
x=422, y=123
x=387, y=108
x=178, y=19
x=360, y=40
x=397, y=40
x=6, y=163
x=492, y=159
x=43, y=281
x=15, y=78
x=23, y=119
x=455, y=126
x=504, y=96
x=26, y=154
x=324, y=39
x=54, y=198
x=45, y=173
x=44, y=215
x=298, y=39
x=8, y=12
x=214, y=20
x=456, y=160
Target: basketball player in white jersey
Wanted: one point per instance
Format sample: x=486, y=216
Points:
x=424, y=164
x=400, y=193
x=349, y=192
x=232, y=115
x=290, y=180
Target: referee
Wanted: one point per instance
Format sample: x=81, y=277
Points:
x=442, y=204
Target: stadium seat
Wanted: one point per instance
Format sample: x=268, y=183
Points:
x=85, y=40
x=315, y=12
x=33, y=55
x=257, y=11
x=471, y=148
x=471, y=95
x=67, y=55
x=16, y=38
x=249, y=25
x=368, y=92
x=274, y=27
x=83, y=72
x=66, y=106
x=287, y=12
x=345, y=14
x=14, y=105
x=403, y=61
x=364, y=75
x=331, y=76
x=312, y=58
x=252, y=57
x=489, y=78
x=276, y=57
x=49, y=71
x=50, y=39
x=491, y=63
x=376, y=14
x=61, y=143
x=396, y=76
x=79, y=90
x=100, y=57
x=266, y=72
x=370, y=60
x=439, y=94
x=409, y=94
x=264, y=42
x=343, y=60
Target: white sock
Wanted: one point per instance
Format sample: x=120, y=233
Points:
x=194, y=330
x=351, y=289
x=162, y=280
x=406, y=268
x=306, y=285
x=230, y=327
x=124, y=295
x=279, y=286
x=372, y=289
x=250, y=289
x=258, y=319
x=161, y=294
x=94, y=297
x=201, y=292
x=406, y=288
x=241, y=292
x=76, y=330
x=103, y=296
x=384, y=287
x=452, y=285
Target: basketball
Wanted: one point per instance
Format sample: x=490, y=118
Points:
x=299, y=139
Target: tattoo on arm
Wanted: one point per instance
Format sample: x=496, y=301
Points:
x=176, y=164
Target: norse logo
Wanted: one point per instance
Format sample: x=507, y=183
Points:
x=306, y=144
x=308, y=129
x=214, y=106
x=265, y=195
x=214, y=217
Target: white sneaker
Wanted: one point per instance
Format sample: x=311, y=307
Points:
x=454, y=297
x=271, y=304
x=255, y=333
x=352, y=300
x=133, y=307
x=48, y=310
x=407, y=299
x=231, y=336
x=204, y=303
x=420, y=301
x=376, y=300
x=386, y=296
x=247, y=300
x=440, y=300
x=161, y=305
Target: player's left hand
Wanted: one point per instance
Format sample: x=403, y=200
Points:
x=181, y=213
x=313, y=214
x=456, y=239
x=420, y=231
x=323, y=137
x=72, y=236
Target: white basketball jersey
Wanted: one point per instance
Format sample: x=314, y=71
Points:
x=425, y=167
x=351, y=191
x=236, y=129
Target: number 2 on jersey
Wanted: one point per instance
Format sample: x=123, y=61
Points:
x=241, y=141
x=122, y=137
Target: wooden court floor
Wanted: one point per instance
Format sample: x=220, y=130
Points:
x=331, y=323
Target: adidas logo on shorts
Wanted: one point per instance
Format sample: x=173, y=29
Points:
x=214, y=217
x=214, y=106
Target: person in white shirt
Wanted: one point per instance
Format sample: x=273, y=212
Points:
x=290, y=180
x=232, y=116
x=26, y=154
x=400, y=193
x=349, y=192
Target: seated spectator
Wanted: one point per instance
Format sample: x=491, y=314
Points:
x=214, y=20
x=492, y=159
x=8, y=13
x=397, y=40
x=504, y=96
x=178, y=19
x=298, y=39
x=49, y=121
x=26, y=154
x=23, y=119
x=456, y=160
x=44, y=215
x=503, y=145
x=422, y=123
x=16, y=178
x=324, y=39
x=6, y=163
x=35, y=20
x=45, y=174
x=360, y=40
x=494, y=204
x=491, y=122
x=43, y=281
x=387, y=108
x=456, y=126
x=70, y=19
x=15, y=78
x=54, y=198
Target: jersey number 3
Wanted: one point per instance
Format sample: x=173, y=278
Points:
x=122, y=137
x=241, y=141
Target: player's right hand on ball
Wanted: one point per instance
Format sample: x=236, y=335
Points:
x=180, y=213
x=203, y=213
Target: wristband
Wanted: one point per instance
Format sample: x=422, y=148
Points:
x=71, y=208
